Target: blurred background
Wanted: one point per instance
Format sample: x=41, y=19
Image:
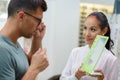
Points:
x=64, y=20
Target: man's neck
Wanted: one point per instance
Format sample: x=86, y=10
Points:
x=10, y=32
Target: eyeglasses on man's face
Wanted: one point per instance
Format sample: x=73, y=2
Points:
x=37, y=19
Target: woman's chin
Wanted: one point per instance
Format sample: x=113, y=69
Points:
x=89, y=43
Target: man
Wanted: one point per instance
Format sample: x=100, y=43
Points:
x=24, y=20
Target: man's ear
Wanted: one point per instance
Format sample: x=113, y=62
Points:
x=20, y=15
x=104, y=30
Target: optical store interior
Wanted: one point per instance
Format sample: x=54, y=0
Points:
x=64, y=29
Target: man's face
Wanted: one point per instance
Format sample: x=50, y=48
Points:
x=31, y=22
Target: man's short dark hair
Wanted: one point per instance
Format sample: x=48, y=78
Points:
x=28, y=5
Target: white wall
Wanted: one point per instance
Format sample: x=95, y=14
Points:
x=2, y=20
x=62, y=20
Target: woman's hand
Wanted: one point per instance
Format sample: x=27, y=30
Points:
x=100, y=77
x=79, y=73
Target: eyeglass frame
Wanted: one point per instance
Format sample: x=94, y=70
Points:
x=39, y=20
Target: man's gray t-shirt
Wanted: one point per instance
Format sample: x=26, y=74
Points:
x=13, y=60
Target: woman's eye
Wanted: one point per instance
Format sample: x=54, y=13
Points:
x=84, y=28
x=93, y=30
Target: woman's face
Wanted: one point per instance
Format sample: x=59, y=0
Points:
x=91, y=29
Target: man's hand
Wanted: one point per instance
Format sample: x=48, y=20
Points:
x=40, y=31
x=37, y=39
x=39, y=60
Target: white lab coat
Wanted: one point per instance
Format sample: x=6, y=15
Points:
x=108, y=63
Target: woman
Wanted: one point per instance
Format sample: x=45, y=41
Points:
x=95, y=24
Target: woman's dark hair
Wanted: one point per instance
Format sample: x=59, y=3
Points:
x=103, y=24
x=27, y=5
